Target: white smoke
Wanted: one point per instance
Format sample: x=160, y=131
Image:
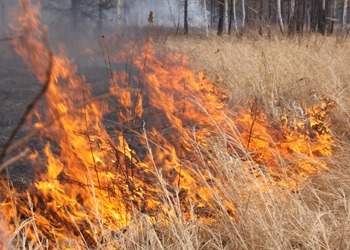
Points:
x=167, y=13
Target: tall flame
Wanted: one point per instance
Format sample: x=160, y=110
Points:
x=94, y=181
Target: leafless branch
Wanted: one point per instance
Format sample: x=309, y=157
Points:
x=10, y=38
x=14, y=159
x=29, y=108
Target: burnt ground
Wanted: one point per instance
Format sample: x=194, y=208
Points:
x=18, y=87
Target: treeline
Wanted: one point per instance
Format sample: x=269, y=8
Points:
x=226, y=17
x=291, y=16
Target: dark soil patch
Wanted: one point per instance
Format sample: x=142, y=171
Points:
x=18, y=87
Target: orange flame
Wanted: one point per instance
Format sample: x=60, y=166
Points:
x=94, y=181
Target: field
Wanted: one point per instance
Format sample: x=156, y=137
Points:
x=283, y=73
x=224, y=192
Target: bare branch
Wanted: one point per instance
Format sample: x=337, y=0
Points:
x=29, y=108
x=14, y=159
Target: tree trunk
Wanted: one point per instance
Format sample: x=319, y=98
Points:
x=322, y=17
x=243, y=13
x=334, y=13
x=279, y=14
x=211, y=13
x=292, y=20
x=230, y=11
x=260, y=16
x=235, y=16
x=226, y=11
x=344, y=23
x=221, y=18
x=206, y=18
x=300, y=15
x=186, y=16
x=308, y=18
x=173, y=17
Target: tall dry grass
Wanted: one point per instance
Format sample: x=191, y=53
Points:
x=278, y=70
x=282, y=74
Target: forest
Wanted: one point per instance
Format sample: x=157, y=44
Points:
x=225, y=16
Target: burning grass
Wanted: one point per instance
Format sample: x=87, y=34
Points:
x=250, y=160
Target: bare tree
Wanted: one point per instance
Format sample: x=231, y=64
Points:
x=186, y=16
x=206, y=18
x=322, y=17
x=292, y=21
x=279, y=14
x=243, y=13
x=333, y=15
x=226, y=11
x=172, y=15
x=345, y=12
x=221, y=18
x=92, y=9
x=235, y=16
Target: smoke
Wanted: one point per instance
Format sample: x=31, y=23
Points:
x=167, y=13
x=132, y=13
x=79, y=32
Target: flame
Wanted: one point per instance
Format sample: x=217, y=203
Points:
x=94, y=180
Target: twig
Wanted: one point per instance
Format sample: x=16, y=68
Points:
x=171, y=14
x=109, y=60
x=13, y=159
x=29, y=107
x=10, y=38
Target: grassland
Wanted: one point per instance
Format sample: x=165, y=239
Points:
x=283, y=74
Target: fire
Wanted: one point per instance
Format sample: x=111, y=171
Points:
x=94, y=180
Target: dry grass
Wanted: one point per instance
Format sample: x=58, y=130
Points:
x=283, y=74
x=278, y=71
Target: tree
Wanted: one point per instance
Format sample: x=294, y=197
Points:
x=300, y=6
x=92, y=9
x=226, y=11
x=243, y=13
x=279, y=14
x=322, y=17
x=292, y=21
x=234, y=15
x=333, y=15
x=345, y=12
x=206, y=18
x=186, y=16
x=261, y=16
x=221, y=18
